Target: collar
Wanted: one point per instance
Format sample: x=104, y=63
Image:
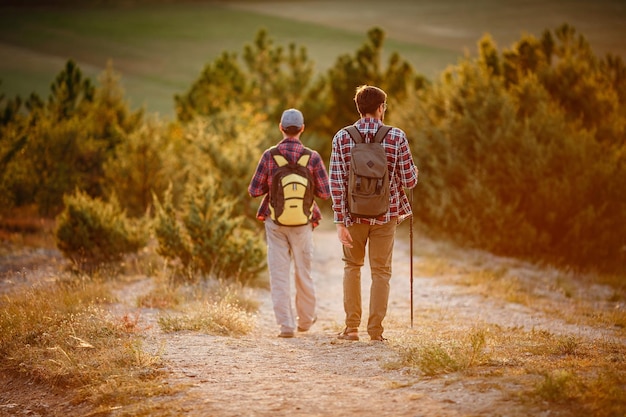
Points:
x=371, y=120
x=290, y=140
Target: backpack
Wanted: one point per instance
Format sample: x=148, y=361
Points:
x=368, y=180
x=291, y=195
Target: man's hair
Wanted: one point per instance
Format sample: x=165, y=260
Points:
x=368, y=98
x=292, y=130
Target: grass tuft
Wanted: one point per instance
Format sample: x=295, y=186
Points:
x=436, y=356
x=219, y=318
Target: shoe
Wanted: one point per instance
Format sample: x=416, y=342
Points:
x=301, y=329
x=349, y=333
x=378, y=338
x=286, y=334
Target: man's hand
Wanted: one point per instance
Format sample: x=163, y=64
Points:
x=344, y=235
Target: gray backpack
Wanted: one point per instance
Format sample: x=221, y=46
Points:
x=368, y=180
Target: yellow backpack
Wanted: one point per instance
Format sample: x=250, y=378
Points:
x=291, y=195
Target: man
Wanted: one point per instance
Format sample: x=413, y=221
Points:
x=355, y=233
x=290, y=243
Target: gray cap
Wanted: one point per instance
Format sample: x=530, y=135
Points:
x=292, y=117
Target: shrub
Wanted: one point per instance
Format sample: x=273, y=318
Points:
x=91, y=232
x=142, y=165
x=54, y=147
x=204, y=236
x=507, y=166
x=227, y=147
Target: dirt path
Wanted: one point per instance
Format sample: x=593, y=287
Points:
x=314, y=374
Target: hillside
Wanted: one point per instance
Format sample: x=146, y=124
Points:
x=161, y=49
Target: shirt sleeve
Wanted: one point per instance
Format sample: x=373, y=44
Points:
x=338, y=178
x=322, y=186
x=259, y=183
x=406, y=167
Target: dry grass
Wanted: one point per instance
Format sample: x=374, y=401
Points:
x=24, y=228
x=576, y=298
x=210, y=306
x=218, y=317
x=579, y=376
x=62, y=336
x=573, y=375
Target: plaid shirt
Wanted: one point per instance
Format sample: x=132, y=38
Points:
x=261, y=182
x=402, y=172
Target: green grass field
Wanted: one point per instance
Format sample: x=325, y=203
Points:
x=159, y=50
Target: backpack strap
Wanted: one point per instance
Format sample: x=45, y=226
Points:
x=381, y=133
x=281, y=161
x=357, y=136
x=305, y=157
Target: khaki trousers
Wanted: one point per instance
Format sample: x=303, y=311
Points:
x=284, y=245
x=379, y=240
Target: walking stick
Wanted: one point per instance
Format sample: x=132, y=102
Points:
x=411, y=250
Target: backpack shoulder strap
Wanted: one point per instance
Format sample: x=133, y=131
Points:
x=381, y=133
x=305, y=157
x=278, y=157
x=357, y=137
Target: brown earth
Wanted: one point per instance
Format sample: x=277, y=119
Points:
x=315, y=374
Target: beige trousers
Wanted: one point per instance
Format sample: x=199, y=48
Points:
x=379, y=240
x=287, y=245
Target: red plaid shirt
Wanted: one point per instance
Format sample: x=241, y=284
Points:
x=402, y=172
x=261, y=182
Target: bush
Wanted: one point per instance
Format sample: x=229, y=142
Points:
x=205, y=237
x=227, y=147
x=507, y=167
x=48, y=149
x=91, y=232
x=141, y=166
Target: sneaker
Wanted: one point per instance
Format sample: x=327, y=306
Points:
x=302, y=329
x=286, y=334
x=349, y=333
x=378, y=338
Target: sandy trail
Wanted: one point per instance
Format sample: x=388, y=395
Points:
x=314, y=374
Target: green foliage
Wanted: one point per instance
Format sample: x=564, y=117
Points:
x=9, y=109
x=227, y=147
x=521, y=152
x=270, y=79
x=366, y=67
x=211, y=229
x=52, y=148
x=590, y=90
x=205, y=236
x=508, y=165
x=220, y=84
x=69, y=92
x=91, y=232
x=142, y=165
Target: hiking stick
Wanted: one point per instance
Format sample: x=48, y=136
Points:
x=411, y=249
